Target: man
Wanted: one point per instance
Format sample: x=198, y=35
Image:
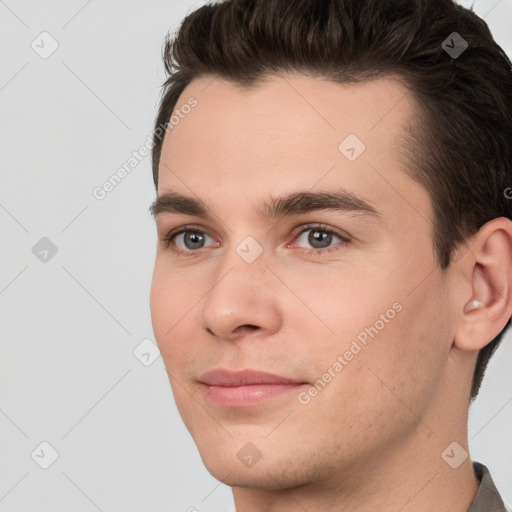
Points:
x=334, y=261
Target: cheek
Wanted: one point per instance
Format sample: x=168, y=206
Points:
x=393, y=343
x=170, y=309
x=342, y=305
x=170, y=315
x=337, y=294
x=399, y=368
x=369, y=402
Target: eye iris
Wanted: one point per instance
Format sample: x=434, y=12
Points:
x=319, y=236
x=195, y=239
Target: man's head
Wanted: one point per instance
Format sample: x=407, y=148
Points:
x=373, y=102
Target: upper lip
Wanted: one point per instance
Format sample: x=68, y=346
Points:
x=228, y=378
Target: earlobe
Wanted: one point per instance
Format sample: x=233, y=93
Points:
x=489, y=307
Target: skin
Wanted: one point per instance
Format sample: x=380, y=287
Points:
x=373, y=437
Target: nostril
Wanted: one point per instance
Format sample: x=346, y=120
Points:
x=248, y=327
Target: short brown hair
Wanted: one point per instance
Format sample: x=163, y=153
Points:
x=460, y=145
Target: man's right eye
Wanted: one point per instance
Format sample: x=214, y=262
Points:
x=192, y=239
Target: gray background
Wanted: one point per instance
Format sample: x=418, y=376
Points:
x=69, y=325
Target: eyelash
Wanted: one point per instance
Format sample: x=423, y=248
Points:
x=168, y=244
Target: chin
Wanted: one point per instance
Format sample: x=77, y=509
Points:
x=260, y=464
x=231, y=472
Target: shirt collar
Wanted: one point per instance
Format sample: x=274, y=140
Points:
x=487, y=498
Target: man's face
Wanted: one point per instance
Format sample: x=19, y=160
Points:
x=358, y=319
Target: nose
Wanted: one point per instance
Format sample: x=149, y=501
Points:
x=242, y=301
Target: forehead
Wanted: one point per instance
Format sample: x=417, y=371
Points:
x=289, y=133
x=307, y=108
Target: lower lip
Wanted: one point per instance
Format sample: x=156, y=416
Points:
x=239, y=396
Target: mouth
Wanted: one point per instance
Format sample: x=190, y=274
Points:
x=244, y=388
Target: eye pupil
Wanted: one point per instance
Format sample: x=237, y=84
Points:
x=195, y=238
x=319, y=236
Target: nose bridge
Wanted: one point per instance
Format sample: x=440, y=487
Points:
x=243, y=265
x=241, y=293
x=240, y=278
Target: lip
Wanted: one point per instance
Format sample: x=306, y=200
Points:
x=228, y=378
x=247, y=387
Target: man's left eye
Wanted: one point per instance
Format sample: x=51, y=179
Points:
x=321, y=237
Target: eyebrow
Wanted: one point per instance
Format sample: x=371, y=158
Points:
x=295, y=203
